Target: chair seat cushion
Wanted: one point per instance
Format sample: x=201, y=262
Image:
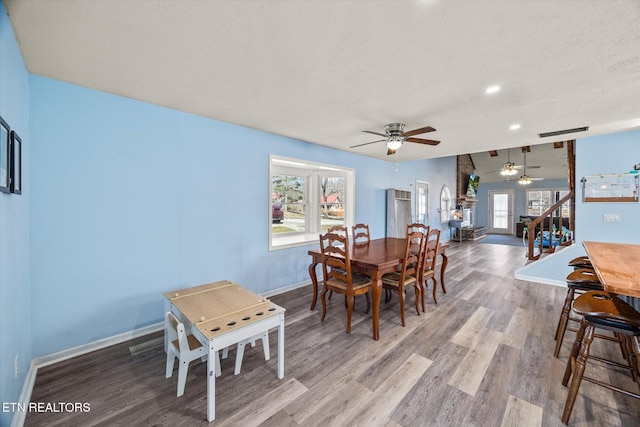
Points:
x=359, y=281
x=393, y=279
x=429, y=272
x=614, y=324
x=586, y=286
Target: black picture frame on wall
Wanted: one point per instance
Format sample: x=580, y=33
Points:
x=16, y=164
x=5, y=156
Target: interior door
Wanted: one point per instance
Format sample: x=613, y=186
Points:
x=422, y=202
x=501, y=211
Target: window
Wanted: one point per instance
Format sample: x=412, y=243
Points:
x=306, y=199
x=538, y=201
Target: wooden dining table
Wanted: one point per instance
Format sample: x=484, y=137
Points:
x=616, y=265
x=374, y=259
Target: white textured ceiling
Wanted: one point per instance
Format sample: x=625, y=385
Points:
x=323, y=71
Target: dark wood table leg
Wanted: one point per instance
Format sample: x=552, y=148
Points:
x=376, y=293
x=443, y=267
x=314, y=283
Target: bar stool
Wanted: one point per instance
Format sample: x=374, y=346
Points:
x=602, y=310
x=580, y=280
x=581, y=262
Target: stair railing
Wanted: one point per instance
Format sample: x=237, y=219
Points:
x=565, y=239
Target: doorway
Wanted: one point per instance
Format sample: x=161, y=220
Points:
x=422, y=202
x=501, y=211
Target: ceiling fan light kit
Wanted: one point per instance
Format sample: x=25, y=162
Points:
x=394, y=142
x=509, y=170
x=524, y=180
x=396, y=136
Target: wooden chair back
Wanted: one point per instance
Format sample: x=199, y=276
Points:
x=334, y=253
x=431, y=250
x=417, y=226
x=338, y=229
x=412, y=259
x=361, y=233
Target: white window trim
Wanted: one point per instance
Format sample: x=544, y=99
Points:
x=314, y=171
x=552, y=195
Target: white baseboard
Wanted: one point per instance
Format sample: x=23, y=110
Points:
x=96, y=345
x=288, y=288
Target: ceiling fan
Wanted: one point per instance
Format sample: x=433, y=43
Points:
x=395, y=136
x=510, y=168
x=525, y=179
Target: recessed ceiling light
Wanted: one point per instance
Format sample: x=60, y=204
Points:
x=492, y=89
x=514, y=126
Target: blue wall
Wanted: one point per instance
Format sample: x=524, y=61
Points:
x=520, y=197
x=15, y=291
x=130, y=200
x=604, y=155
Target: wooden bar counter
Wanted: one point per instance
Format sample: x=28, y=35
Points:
x=617, y=265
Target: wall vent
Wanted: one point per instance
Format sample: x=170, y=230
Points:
x=562, y=132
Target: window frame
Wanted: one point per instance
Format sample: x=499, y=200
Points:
x=555, y=194
x=314, y=172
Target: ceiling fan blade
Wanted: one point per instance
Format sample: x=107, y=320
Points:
x=390, y=151
x=528, y=167
x=536, y=179
x=423, y=141
x=375, y=133
x=367, y=143
x=418, y=131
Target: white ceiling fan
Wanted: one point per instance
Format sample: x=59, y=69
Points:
x=525, y=179
x=509, y=168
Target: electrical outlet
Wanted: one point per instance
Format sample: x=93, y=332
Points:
x=16, y=365
x=612, y=218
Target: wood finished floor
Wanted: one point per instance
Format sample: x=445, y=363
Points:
x=481, y=357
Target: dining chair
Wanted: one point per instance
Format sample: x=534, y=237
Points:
x=429, y=263
x=361, y=234
x=409, y=272
x=418, y=226
x=338, y=278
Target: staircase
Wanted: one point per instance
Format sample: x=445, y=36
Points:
x=537, y=249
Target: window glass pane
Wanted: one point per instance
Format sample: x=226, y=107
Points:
x=331, y=202
x=538, y=201
x=288, y=203
x=500, y=210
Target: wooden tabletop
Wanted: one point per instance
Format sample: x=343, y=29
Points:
x=377, y=253
x=617, y=265
x=217, y=308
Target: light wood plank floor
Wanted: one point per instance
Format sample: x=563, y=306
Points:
x=481, y=357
